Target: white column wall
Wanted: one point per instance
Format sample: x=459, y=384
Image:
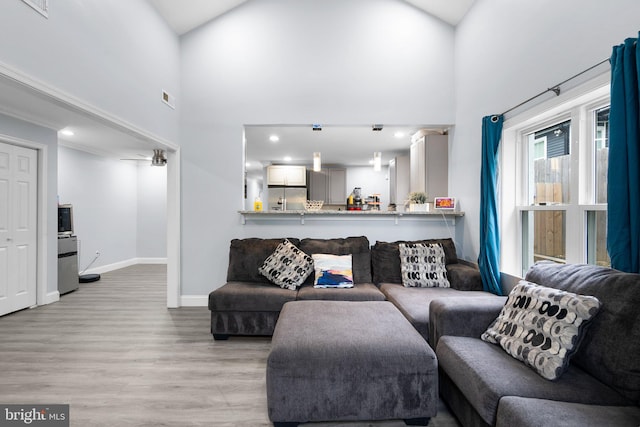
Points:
x=278, y=61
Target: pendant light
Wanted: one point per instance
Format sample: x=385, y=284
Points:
x=377, y=161
x=317, y=161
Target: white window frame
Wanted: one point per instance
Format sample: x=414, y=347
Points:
x=574, y=104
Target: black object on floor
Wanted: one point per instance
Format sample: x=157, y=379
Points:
x=88, y=278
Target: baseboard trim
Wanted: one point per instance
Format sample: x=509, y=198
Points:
x=126, y=263
x=52, y=297
x=194, y=301
x=151, y=260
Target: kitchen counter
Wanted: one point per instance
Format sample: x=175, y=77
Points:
x=348, y=215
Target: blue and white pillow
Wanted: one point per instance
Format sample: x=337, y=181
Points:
x=423, y=265
x=333, y=271
x=287, y=266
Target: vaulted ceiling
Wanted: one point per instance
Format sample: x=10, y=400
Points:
x=185, y=15
x=182, y=16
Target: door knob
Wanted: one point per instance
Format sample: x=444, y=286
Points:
x=9, y=239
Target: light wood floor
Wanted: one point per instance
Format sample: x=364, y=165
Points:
x=119, y=357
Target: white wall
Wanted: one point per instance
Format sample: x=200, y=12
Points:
x=15, y=128
x=308, y=61
x=117, y=56
x=506, y=52
x=152, y=211
x=119, y=207
x=255, y=189
x=103, y=193
x=370, y=182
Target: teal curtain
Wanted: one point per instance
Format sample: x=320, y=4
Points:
x=489, y=258
x=623, y=188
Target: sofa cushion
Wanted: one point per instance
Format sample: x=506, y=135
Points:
x=287, y=266
x=246, y=256
x=484, y=373
x=617, y=325
x=359, y=292
x=542, y=327
x=385, y=257
x=249, y=296
x=358, y=247
x=422, y=265
x=527, y=412
x=414, y=302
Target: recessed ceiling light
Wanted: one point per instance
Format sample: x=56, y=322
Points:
x=287, y=158
x=67, y=132
x=399, y=134
x=247, y=165
x=274, y=138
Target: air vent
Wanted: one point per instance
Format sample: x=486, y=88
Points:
x=41, y=6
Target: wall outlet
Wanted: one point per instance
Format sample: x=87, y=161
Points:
x=168, y=99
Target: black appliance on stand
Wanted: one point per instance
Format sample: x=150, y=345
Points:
x=68, y=277
x=67, y=251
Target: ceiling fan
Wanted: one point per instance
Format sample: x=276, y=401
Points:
x=159, y=158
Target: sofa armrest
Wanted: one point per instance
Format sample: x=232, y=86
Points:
x=463, y=317
x=464, y=277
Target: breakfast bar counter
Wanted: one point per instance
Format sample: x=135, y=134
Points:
x=345, y=215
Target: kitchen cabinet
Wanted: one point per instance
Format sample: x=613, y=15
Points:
x=294, y=176
x=329, y=185
x=399, y=177
x=429, y=164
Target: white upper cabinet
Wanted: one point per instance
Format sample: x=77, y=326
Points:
x=399, y=177
x=429, y=158
x=293, y=176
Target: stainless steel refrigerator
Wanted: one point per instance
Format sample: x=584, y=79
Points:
x=295, y=198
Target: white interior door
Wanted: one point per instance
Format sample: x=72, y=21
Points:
x=18, y=237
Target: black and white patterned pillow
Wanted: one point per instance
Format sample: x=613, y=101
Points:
x=287, y=266
x=542, y=326
x=423, y=265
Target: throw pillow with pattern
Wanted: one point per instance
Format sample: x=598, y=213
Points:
x=542, y=326
x=333, y=271
x=287, y=266
x=423, y=265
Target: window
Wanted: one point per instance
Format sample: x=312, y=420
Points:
x=601, y=146
x=549, y=169
x=553, y=173
x=597, y=220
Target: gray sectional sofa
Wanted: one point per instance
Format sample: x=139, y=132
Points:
x=484, y=386
x=248, y=304
x=479, y=381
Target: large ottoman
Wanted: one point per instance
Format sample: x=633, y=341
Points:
x=346, y=361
